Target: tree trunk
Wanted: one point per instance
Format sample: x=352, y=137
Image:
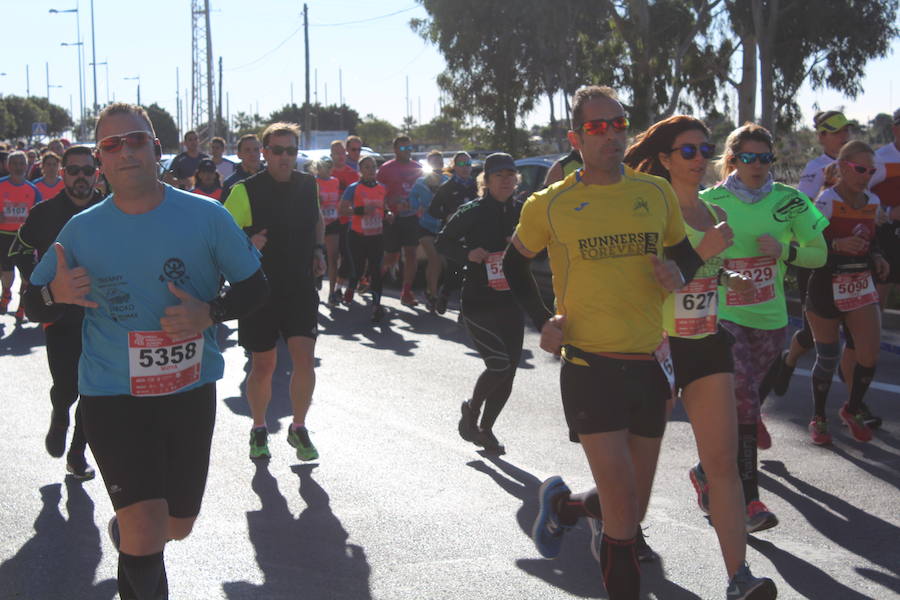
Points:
x=747, y=86
x=765, y=22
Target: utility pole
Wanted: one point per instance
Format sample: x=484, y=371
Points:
x=203, y=117
x=219, y=108
x=308, y=120
x=178, y=102
x=27, y=82
x=94, y=58
x=341, y=96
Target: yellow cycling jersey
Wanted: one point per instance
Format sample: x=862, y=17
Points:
x=599, y=238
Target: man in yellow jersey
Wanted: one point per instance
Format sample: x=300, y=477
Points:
x=605, y=228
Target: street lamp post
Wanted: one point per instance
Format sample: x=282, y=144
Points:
x=80, y=49
x=105, y=65
x=138, y=78
x=94, y=57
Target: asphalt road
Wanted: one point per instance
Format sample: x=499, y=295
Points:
x=398, y=507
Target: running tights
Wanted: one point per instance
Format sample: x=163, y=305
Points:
x=63, y=353
x=497, y=330
x=363, y=248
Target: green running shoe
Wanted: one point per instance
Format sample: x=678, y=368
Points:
x=259, y=443
x=299, y=439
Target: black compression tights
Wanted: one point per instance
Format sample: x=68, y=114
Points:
x=497, y=331
x=367, y=248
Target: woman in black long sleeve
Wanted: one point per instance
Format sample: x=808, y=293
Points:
x=476, y=236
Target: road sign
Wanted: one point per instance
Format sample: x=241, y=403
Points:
x=38, y=129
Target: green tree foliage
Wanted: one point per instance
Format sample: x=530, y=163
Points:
x=376, y=133
x=245, y=123
x=486, y=76
x=7, y=122
x=23, y=112
x=165, y=127
x=881, y=129
x=326, y=118
x=58, y=118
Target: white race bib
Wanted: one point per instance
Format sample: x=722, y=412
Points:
x=663, y=354
x=159, y=366
x=494, y=265
x=761, y=270
x=696, y=307
x=853, y=290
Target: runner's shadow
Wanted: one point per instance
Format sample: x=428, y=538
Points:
x=865, y=535
x=223, y=336
x=60, y=561
x=22, y=341
x=304, y=557
x=280, y=405
x=575, y=571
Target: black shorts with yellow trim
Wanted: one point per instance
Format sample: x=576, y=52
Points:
x=604, y=394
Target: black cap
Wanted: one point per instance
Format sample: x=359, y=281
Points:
x=498, y=161
x=206, y=164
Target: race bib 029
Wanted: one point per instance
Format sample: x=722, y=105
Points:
x=761, y=270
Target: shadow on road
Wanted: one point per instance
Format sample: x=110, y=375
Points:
x=22, y=340
x=60, y=561
x=575, y=571
x=867, y=536
x=304, y=557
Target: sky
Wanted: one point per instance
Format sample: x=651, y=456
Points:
x=362, y=51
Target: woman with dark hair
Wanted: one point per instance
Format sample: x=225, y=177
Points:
x=452, y=194
x=476, y=236
x=844, y=291
x=678, y=150
x=766, y=217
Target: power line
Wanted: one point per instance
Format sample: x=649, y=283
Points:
x=369, y=20
x=267, y=54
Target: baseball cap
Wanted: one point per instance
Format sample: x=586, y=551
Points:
x=206, y=165
x=831, y=121
x=498, y=161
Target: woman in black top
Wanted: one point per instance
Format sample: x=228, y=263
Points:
x=476, y=236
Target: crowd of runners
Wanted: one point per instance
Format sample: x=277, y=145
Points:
x=664, y=289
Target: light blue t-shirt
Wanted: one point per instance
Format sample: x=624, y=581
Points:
x=188, y=240
x=420, y=199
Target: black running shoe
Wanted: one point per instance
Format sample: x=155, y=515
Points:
x=377, y=314
x=440, y=304
x=487, y=440
x=643, y=550
x=871, y=421
x=78, y=468
x=782, y=378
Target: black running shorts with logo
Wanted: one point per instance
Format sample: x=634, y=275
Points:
x=150, y=448
x=614, y=394
x=402, y=233
x=286, y=313
x=694, y=359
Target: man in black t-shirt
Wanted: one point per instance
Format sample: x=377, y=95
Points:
x=37, y=234
x=183, y=166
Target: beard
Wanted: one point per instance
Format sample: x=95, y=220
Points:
x=80, y=190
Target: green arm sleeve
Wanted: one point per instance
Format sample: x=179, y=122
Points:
x=811, y=254
x=238, y=204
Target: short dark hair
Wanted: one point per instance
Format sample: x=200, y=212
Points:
x=584, y=95
x=246, y=138
x=281, y=128
x=217, y=140
x=123, y=108
x=401, y=138
x=191, y=132
x=73, y=150
x=49, y=155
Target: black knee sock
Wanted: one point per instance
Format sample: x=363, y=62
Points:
x=820, y=388
x=766, y=385
x=143, y=577
x=747, y=462
x=862, y=377
x=621, y=570
x=572, y=507
x=496, y=399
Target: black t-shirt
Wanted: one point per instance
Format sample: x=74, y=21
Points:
x=184, y=165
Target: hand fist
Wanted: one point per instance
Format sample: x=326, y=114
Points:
x=742, y=286
x=552, y=334
x=259, y=239
x=715, y=241
x=667, y=273
x=478, y=255
x=769, y=246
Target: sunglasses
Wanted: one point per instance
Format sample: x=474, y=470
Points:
x=404, y=148
x=601, y=126
x=279, y=150
x=860, y=169
x=689, y=151
x=463, y=163
x=86, y=170
x=134, y=139
x=750, y=157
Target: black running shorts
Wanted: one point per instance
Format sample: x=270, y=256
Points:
x=153, y=447
x=6, y=240
x=694, y=359
x=286, y=313
x=334, y=228
x=402, y=233
x=613, y=394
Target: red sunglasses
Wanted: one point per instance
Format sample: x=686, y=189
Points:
x=861, y=169
x=134, y=139
x=601, y=126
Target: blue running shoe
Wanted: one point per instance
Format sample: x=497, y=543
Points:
x=547, y=531
x=744, y=586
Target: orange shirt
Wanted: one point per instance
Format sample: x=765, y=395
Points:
x=16, y=202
